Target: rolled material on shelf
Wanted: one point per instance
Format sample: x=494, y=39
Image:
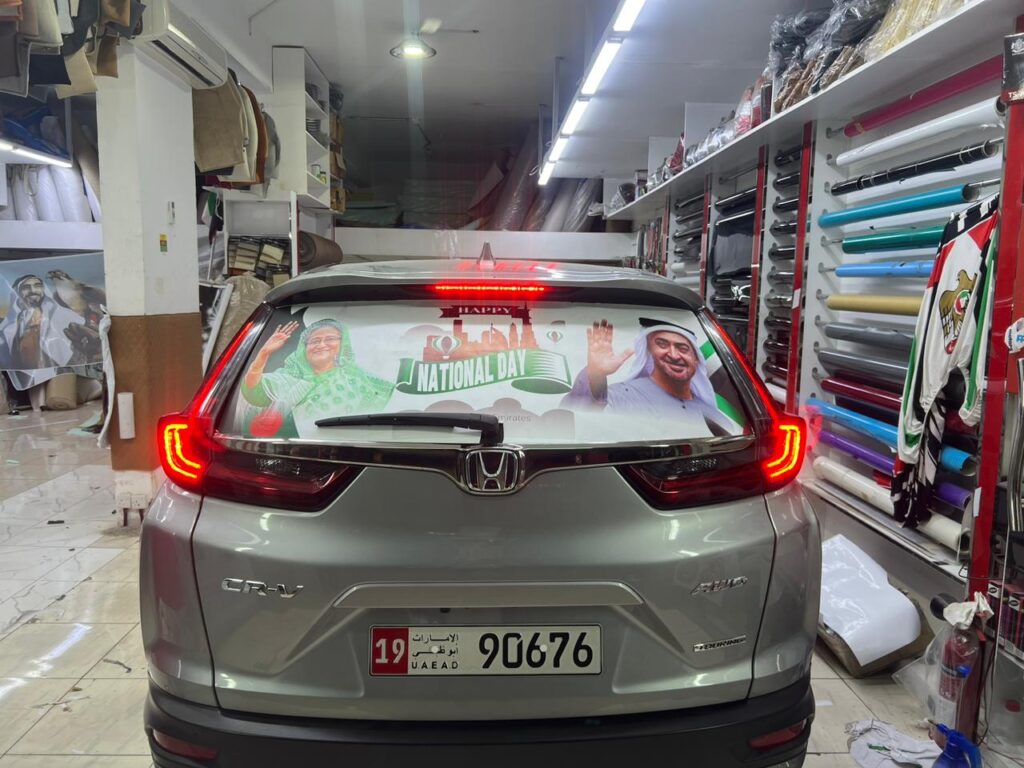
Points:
x=862, y=393
x=734, y=218
x=871, y=458
x=846, y=361
x=908, y=306
x=786, y=157
x=771, y=369
x=786, y=205
x=973, y=117
x=316, y=251
x=936, y=198
x=781, y=252
x=778, y=301
x=928, y=237
x=776, y=323
x=688, y=280
x=941, y=529
x=933, y=217
x=678, y=268
x=780, y=276
x=681, y=204
x=778, y=393
x=734, y=319
x=683, y=234
x=887, y=338
x=962, y=82
x=787, y=181
x=775, y=346
x=954, y=495
x=944, y=162
x=887, y=269
x=740, y=199
x=950, y=458
x=784, y=228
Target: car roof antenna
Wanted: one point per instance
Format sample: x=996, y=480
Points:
x=486, y=260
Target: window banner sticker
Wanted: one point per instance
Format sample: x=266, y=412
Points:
x=551, y=372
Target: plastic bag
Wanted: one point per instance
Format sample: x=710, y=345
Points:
x=578, y=216
x=745, y=112
x=905, y=19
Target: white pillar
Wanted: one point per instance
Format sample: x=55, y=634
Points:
x=150, y=256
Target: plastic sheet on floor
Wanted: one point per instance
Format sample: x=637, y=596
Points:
x=877, y=744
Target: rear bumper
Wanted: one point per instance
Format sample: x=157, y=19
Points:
x=710, y=736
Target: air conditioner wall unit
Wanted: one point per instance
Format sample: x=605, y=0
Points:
x=180, y=45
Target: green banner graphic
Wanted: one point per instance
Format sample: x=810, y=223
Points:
x=529, y=370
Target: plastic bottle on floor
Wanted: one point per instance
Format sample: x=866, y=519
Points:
x=959, y=752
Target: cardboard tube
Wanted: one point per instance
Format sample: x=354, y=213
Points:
x=928, y=237
x=940, y=529
x=908, y=306
x=970, y=118
x=937, y=198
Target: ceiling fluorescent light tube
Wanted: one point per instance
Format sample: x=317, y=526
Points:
x=572, y=120
x=545, y=173
x=557, y=149
x=627, y=15
x=600, y=69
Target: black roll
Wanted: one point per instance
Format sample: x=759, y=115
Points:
x=776, y=323
x=734, y=218
x=787, y=204
x=859, y=364
x=787, y=181
x=784, y=228
x=945, y=162
x=887, y=338
x=739, y=200
x=788, y=156
x=782, y=252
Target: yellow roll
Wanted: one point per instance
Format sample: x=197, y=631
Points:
x=886, y=305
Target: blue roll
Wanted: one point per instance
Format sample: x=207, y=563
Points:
x=950, y=458
x=887, y=269
x=937, y=198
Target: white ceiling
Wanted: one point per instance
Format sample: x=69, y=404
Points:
x=697, y=51
x=482, y=91
x=478, y=94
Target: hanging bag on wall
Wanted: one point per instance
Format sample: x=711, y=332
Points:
x=219, y=127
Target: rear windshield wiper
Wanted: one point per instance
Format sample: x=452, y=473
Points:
x=492, y=431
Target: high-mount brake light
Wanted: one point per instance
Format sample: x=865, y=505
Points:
x=484, y=290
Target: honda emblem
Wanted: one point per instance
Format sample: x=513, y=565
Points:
x=492, y=470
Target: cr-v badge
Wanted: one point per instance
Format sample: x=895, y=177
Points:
x=708, y=587
x=260, y=588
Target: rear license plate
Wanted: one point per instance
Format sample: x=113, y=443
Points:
x=485, y=650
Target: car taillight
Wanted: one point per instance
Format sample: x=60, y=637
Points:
x=183, y=748
x=780, y=737
x=772, y=463
x=193, y=458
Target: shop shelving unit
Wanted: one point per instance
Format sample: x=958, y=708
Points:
x=810, y=254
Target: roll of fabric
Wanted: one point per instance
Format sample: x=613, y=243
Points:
x=984, y=113
x=555, y=220
x=941, y=529
x=908, y=306
x=71, y=194
x=887, y=269
x=859, y=364
x=887, y=338
x=937, y=198
x=862, y=393
x=871, y=458
x=951, y=458
x=316, y=251
x=944, y=162
x=519, y=188
x=962, y=82
x=43, y=188
x=927, y=237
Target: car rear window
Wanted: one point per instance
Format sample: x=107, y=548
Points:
x=553, y=373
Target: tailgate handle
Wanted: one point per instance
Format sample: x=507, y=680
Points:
x=554, y=594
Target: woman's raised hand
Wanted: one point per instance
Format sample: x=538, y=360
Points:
x=280, y=337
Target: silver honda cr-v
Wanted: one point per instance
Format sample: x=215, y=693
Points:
x=469, y=514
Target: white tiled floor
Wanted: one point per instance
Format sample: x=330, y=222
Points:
x=72, y=670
